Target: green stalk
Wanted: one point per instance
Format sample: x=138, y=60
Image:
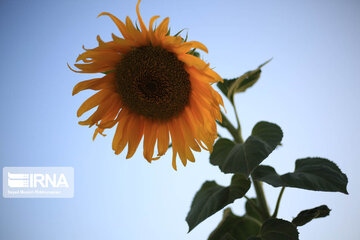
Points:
x=278, y=202
x=232, y=130
x=238, y=123
x=260, y=196
x=236, y=133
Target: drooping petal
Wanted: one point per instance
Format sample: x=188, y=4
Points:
x=93, y=101
x=150, y=132
x=106, y=82
x=163, y=139
x=136, y=126
x=190, y=155
x=100, y=112
x=173, y=162
x=177, y=140
x=99, y=61
x=98, y=131
x=111, y=118
x=188, y=134
x=120, y=137
x=196, y=109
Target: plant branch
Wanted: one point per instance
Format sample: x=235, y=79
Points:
x=278, y=202
x=260, y=195
x=236, y=133
x=230, y=127
x=238, y=123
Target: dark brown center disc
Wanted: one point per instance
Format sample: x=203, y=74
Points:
x=152, y=82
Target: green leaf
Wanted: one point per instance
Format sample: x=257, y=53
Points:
x=228, y=236
x=239, y=228
x=278, y=229
x=307, y=215
x=316, y=174
x=243, y=158
x=212, y=197
x=221, y=149
x=225, y=86
x=240, y=84
x=252, y=210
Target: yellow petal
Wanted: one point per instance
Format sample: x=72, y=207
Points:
x=188, y=134
x=162, y=29
x=200, y=75
x=174, y=159
x=93, y=101
x=185, y=47
x=196, y=109
x=120, y=137
x=135, y=127
x=141, y=22
x=110, y=119
x=150, y=131
x=152, y=36
x=106, y=82
x=213, y=74
x=98, y=131
x=163, y=139
x=177, y=140
x=100, y=112
x=133, y=32
x=191, y=60
x=118, y=23
x=190, y=155
x=152, y=20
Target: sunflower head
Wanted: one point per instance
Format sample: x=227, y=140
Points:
x=154, y=88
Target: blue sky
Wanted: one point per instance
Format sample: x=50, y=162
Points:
x=310, y=88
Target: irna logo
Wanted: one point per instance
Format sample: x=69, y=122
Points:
x=35, y=180
x=38, y=182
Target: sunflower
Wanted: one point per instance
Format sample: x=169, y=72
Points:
x=153, y=87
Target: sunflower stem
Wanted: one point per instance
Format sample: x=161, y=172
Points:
x=238, y=123
x=260, y=195
x=278, y=203
x=230, y=127
x=236, y=133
